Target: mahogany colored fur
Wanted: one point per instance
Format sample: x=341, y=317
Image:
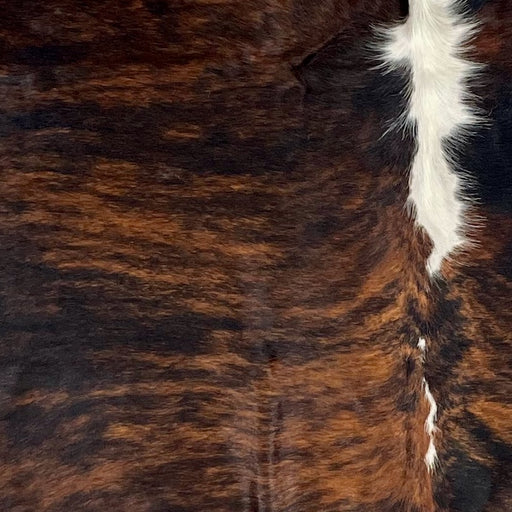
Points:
x=211, y=292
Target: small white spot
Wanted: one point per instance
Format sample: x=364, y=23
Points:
x=422, y=344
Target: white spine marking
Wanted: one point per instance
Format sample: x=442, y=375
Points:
x=430, y=427
x=430, y=422
x=431, y=45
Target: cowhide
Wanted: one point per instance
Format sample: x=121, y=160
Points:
x=255, y=256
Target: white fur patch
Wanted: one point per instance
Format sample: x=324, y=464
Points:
x=430, y=427
x=430, y=422
x=422, y=344
x=431, y=44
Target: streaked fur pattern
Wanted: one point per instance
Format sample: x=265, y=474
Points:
x=430, y=46
x=212, y=297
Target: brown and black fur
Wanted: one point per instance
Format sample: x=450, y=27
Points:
x=211, y=294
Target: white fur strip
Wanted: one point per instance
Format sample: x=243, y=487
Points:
x=430, y=422
x=431, y=44
x=430, y=427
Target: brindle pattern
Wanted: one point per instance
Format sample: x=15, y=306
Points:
x=211, y=296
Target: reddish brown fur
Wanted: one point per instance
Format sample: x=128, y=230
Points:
x=211, y=292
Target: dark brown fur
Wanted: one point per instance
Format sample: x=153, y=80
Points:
x=211, y=294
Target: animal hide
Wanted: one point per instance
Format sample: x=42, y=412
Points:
x=256, y=256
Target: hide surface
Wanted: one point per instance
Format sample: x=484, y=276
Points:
x=214, y=284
